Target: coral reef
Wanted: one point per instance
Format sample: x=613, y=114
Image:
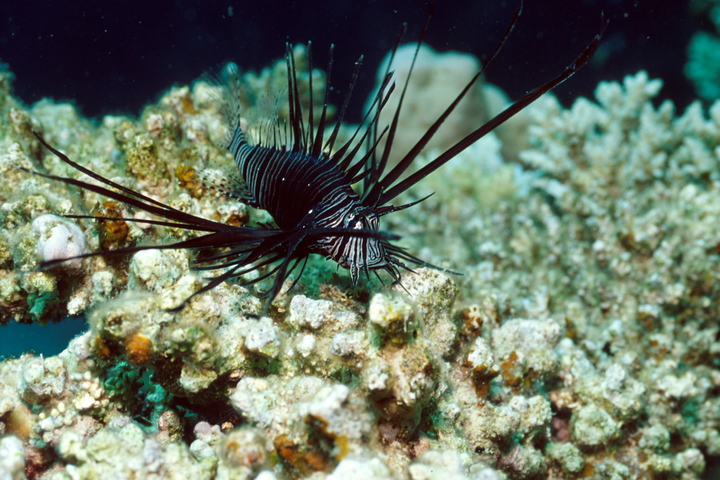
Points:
x=581, y=340
x=435, y=81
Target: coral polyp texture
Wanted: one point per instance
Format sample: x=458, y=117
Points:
x=581, y=340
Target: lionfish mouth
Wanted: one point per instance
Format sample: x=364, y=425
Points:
x=305, y=181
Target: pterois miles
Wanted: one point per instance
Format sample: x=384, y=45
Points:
x=304, y=179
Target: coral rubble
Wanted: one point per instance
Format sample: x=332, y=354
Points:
x=580, y=341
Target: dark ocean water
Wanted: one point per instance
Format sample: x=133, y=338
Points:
x=116, y=56
x=51, y=339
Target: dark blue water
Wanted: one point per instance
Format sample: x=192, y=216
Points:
x=115, y=57
x=51, y=339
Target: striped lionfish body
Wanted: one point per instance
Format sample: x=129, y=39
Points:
x=273, y=176
x=321, y=198
x=305, y=181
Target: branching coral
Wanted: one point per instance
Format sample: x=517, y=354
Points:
x=581, y=340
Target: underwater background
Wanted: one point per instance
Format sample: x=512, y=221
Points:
x=114, y=57
x=581, y=342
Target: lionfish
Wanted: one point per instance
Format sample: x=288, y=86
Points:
x=305, y=181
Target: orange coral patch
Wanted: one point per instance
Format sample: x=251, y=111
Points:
x=139, y=349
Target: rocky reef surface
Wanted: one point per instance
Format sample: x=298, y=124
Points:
x=580, y=341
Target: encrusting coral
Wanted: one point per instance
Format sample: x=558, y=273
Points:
x=580, y=341
x=436, y=79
